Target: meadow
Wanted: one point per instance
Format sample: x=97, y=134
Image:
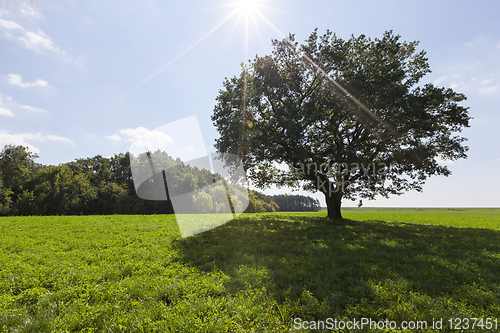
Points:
x=259, y=273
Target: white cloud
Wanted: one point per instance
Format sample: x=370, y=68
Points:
x=489, y=90
x=6, y=112
x=474, y=68
x=446, y=78
x=37, y=41
x=456, y=81
x=33, y=109
x=439, y=80
x=441, y=160
x=6, y=102
x=141, y=133
x=142, y=139
x=489, y=85
x=477, y=42
x=25, y=139
x=189, y=148
x=113, y=137
x=454, y=85
x=486, y=82
x=17, y=80
x=36, y=14
x=28, y=13
x=10, y=25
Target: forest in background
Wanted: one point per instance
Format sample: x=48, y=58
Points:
x=101, y=186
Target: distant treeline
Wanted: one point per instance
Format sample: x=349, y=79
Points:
x=296, y=203
x=99, y=185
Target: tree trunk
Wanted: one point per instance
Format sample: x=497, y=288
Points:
x=333, y=204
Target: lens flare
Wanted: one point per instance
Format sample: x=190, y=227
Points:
x=248, y=6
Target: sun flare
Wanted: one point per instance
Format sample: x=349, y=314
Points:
x=248, y=6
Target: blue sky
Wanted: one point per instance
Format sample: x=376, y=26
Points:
x=84, y=77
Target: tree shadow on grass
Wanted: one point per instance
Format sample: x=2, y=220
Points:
x=316, y=268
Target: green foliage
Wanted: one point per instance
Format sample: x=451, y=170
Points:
x=260, y=203
x=100, y=185
x=204, y=203
x=114, y=199
x=346, y=105
x=5, y=197
x=291, y=203
x=188, y=183
x=255, y=274
x=17, y=165
x=55, y=190
x=97, y=169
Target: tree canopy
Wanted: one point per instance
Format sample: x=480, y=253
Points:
x=292, y=203
x=344, y=117
x=100, y=185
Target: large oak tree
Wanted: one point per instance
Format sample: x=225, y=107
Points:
x=346, y=117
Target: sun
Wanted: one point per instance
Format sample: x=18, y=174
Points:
x=247, y=6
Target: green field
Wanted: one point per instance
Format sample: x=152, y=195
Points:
x=457, y=217
x=255, y=274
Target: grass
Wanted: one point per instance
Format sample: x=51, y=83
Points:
x=458, y=217
x=254, y=274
